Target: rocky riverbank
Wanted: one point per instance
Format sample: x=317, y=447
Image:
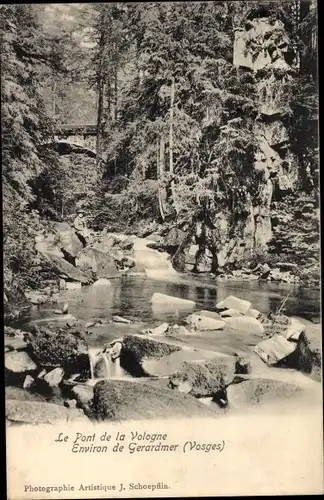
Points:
x=65, y=264
x=227, y=359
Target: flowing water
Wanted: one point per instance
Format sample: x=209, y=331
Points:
x=103, y=366
x=129, y=296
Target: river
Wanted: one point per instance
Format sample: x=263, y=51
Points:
x=129, y=296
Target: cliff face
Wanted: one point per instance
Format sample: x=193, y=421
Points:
x=261, y=47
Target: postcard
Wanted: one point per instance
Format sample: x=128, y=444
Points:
x=161, y=222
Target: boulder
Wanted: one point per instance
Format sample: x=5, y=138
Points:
x=54, y=377
x=264, y=270
x=115, y=350
x=254, y=392
x=67, y=240
x=294, y=328
x=83, y=394
x=66, y=270
x=60, y=348
x=15, y=343
x=173, y=239
x=70, y=403
x=126, y=244
x=159, y=330
x=19, y=363
x=172, y=363
x=121, y=400
x=157, y=238
x=125, y=263
x=47, y=243
x=245, y=324
x=89, y=324
x=101, y=263
x=253, y=313
x=206, y=378
x=35, y=413
x=138, y=349
x=168, y=300
x=155, y=245
x=307, y=356
x=102, y=282
x=28, y=382
x=184, y=331
x=242, y=365
x=105, y=242
x=189, y=256
x=230, y=313
x=275, y=349
x=58, y=321
x=203, y=323
x=70, y=320
x=36, y=298
x=232, y=302
x=287, y=266
x=120, y=319
x=204, y=261
x=274, y=323
x=209, y=314
x=13, y=332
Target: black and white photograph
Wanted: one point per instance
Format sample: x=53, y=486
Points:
x=161, y=249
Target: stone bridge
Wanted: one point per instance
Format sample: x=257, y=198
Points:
x=76, y=138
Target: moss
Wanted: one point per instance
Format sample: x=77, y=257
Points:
x=63, y=347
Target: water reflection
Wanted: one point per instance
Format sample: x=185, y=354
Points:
x=130, y=297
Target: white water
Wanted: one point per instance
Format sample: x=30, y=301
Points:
x=157, y=265
x=107, y=367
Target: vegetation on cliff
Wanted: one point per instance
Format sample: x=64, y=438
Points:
x=176, y=124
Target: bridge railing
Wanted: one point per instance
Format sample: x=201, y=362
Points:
x=75, y=129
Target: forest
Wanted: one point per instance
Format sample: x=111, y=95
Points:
x=212, y=146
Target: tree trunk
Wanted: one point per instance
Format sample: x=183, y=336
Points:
x=99, y=119
x=173, y=195
x=100, y=89
x=54, y=99
x=115, y=95
x=115, y=111
x=160, y=171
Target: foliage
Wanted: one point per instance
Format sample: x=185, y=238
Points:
x=25, y=132
x=176, y=121
x=296, y=229
x=66, y=184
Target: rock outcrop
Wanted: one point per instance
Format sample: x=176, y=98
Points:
x=136, y=349
x=206, y=378
x=257, y=392
x=120, y=400
x=67, y=241
x=102, y=264
x=62, y=348
x=36, y=413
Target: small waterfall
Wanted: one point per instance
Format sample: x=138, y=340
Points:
x=93, y=358
x=155, y=264
x=118, y=370
x=103, y=367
